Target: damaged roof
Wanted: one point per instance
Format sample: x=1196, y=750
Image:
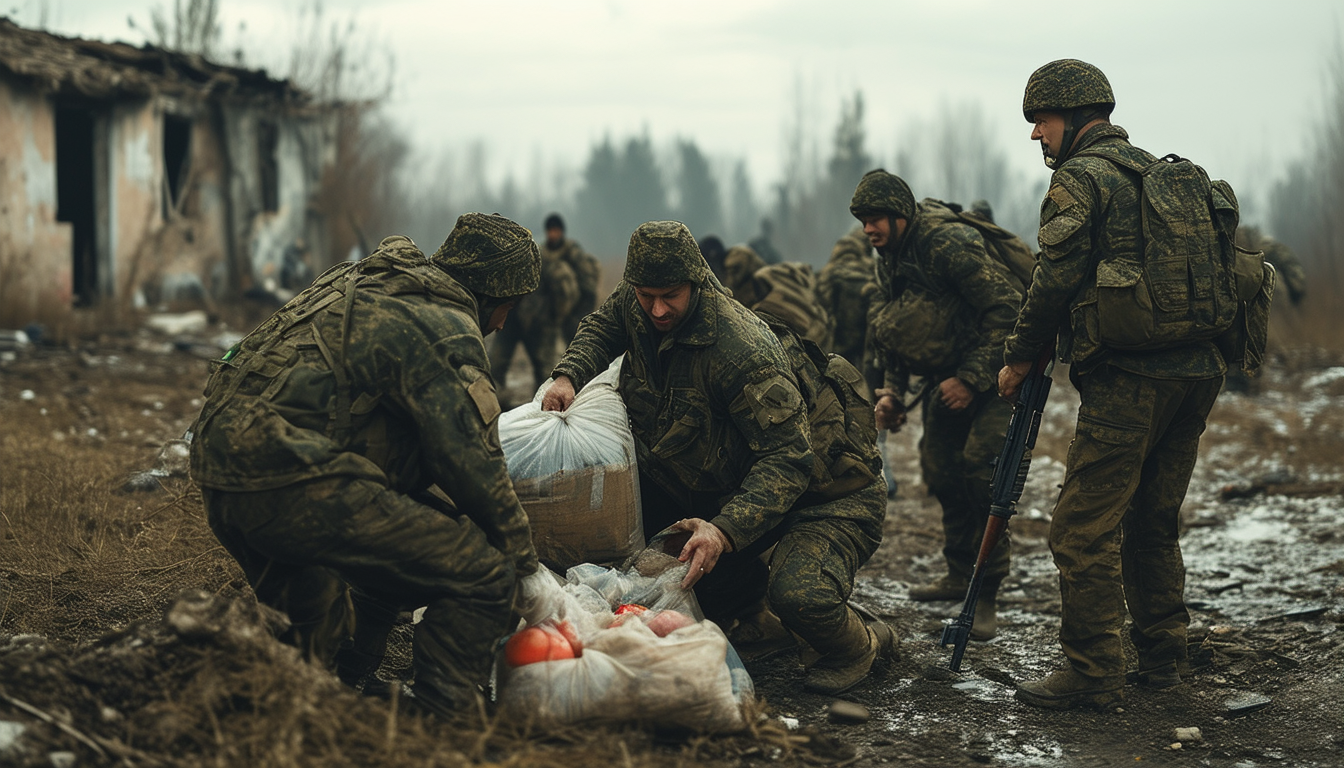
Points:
x=75, y=66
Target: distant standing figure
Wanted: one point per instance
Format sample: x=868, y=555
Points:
x=786, y=292
x=763, y=244
x=586, y=270
x=540, y=317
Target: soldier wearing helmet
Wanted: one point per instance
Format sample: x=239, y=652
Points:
x=942, y=310
x=324, y=431
x=1115, y=525
x=727, y=455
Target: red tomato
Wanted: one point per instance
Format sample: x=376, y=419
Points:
x=527, y=646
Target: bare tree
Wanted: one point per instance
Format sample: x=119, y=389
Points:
x=189, y=27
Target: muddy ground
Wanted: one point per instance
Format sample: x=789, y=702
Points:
x=88, y=667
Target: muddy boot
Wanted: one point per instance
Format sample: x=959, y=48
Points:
x=1161, y=677
x=947, y=588
x=1068, y=688
x=986, y=624
x=837, y=673
x=761, y=636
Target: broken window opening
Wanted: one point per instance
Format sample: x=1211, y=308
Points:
x=268, y=142
x=75, y=201
x=176, y=159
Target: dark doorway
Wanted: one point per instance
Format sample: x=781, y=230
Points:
x=176, y=158
x=75, y=196
x=268, y=141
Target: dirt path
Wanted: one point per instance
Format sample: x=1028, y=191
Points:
x=80, y=559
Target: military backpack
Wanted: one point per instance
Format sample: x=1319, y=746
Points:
x=788, y=291
x=1185, y=286
x=1003, y=246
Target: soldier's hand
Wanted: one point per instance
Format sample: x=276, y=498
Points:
x=888, y=411
x=955, y=394
x=706, y=545
x=1011, y=378
x=559, y=396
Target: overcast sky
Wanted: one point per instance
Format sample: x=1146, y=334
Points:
x=1234, y=85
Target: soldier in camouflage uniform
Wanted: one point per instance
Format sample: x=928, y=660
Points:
x=324, y=431
x=586, y=270
x=540, y=318
x=1116, y=523
x=786, y=291
x=845, y=286
x=943, y=310
x=726, y=452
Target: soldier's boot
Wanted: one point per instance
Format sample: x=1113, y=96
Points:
x=760, y=635
x=1068, y=688
x=1160, y=677
x=839, y=671
x=949, y=587
x=986, y=624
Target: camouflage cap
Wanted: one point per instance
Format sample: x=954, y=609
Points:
x=491, y=255
x=662, y=254
x=1066, y=84
x=882, y=192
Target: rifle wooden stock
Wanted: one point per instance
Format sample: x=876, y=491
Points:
x=1010, y=476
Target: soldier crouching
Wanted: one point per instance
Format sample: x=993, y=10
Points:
x=323, y=432
x=726, y=453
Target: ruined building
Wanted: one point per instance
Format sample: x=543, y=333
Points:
x=141, y=176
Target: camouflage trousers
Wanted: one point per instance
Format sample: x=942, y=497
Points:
x=809, y=575
x=956, y=455
x=338, y=554
x=541, y=345
x=1115, y=530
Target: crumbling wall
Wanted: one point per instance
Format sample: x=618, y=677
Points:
x=135, y=179
x=35, y=267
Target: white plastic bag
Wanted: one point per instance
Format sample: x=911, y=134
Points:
x=690, y=678
x=575, y=473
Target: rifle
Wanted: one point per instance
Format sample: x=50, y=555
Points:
x=1010, y=475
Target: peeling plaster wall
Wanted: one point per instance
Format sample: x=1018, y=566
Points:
x=35, y=262
x=306, y=147
x=135, y=178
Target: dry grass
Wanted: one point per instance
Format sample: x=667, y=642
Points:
x=87, y=570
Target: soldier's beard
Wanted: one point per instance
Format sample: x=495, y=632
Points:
x=1050, y=159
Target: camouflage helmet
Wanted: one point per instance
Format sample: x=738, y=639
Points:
x=491, y=256
x=1066, y=84
x=663, y=254
x=882, y=192
x=739, y=266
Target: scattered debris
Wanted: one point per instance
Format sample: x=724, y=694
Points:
x=1302, y=490
x=1189, y=734
x=847, y=712
x=1244, y=703
x=179, y=324
x=10, y=732
x=173, y=461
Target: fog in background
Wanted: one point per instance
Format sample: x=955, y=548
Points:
x=721, y=114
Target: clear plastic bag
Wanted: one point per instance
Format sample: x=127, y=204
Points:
x=575, y=473
x=632, y=667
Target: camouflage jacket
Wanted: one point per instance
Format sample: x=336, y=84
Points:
x=844, y=288
x=1092, y=210
x=554, y=300
x=717, y=415
x=378, y=371
x=586, y=270
x=943, y=265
